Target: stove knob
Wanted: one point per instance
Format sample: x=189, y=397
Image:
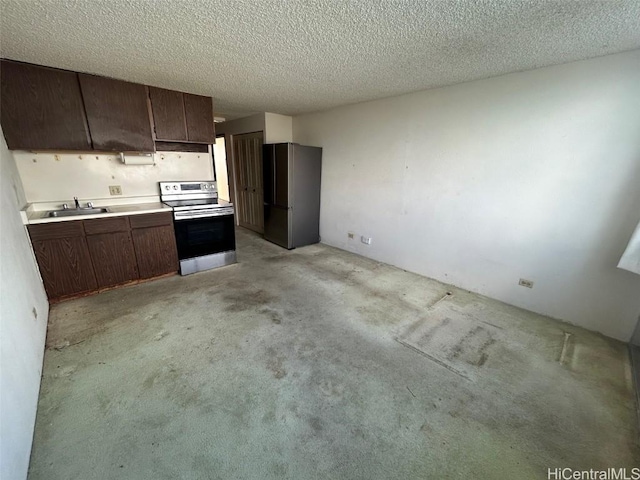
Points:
x=166, y=187
x=175, y=187
x=206, y=186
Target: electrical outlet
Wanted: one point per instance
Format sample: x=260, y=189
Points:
x=365, y=240
x=525, y=283
x=115, y=190
x=350, y=235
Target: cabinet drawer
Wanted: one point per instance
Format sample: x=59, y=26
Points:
x=151, y=220
x=97, y=226
x=49, y=231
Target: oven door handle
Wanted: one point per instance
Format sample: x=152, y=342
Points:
x=179, y=218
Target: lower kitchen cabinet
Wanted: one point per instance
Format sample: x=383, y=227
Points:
x=63, y=258
x=80, y=256
x=113, y=257
x=111, y=249
x=155, y=244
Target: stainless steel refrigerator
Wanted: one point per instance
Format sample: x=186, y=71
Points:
x=291, y=194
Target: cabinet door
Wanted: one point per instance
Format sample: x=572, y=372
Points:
x=42, y=108
x=111, y=248
x=113, y=258
x=63, y=257
x=199, y=115
x=168, y=114
x=155, y=250
x=118, y=114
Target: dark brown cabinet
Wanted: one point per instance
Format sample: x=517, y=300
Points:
x=111, y=249
x=80, y=256
x=63, y=257
x=199, y=115
x=155, y=244
x=49, y=109
x=42, y=108
x=117, y=113
x=182, y=117
x=168, y=114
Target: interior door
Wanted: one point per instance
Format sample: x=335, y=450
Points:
x=247, y=150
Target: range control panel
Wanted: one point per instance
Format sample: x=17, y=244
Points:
x=176, y=188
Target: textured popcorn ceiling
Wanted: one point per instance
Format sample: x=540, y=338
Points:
x=292, y=57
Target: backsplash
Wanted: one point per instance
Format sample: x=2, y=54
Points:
x=58, y=177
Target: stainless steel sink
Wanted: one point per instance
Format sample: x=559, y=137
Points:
x=70, y=212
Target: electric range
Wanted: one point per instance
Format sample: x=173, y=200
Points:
x=204, y=225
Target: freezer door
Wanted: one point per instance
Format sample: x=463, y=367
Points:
x=277, y=225
x=282, y=172
x=268, y=178
x=278, y=205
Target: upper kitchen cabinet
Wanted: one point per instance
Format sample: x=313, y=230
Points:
x=118, y=114
x=168, y=114
x=199, y=113
x=182, y=117
x=41, y=108
x=48, y=109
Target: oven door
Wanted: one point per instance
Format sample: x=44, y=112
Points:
x=197, y=237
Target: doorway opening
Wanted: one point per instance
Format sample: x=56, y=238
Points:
x=220, y=167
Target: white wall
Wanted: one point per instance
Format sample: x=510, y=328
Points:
x=51, y=177
x=531, y=175
x=250, y=124
x=277, y=128
x=23, y=324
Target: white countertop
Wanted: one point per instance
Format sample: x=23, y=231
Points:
x=42, y=216
x=39, y=212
